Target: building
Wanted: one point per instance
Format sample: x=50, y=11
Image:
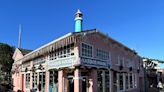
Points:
x=81, y=61
x=16, y=73
x=153, y=73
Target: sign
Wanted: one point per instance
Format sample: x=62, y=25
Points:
x=94, y=62
x=62, y=62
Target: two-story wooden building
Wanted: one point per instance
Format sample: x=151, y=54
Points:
x=81, y=61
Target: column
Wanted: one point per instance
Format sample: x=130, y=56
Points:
x=47, y=81
x=93, y=81
x=118, y=82
x=128, y=80
x=60, y=80
x=103, y=81
x=31, y=74
x=77, y=81
x=111, y=81
x=66, y=84
x=124, y=81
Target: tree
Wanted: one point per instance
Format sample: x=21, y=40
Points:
x=150, y=63
x=6, y=61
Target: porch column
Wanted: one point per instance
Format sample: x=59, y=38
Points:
x=77, y=81
x=47, y=81
x=93, y=81
x=60, y=80
x=124, y=81
x=103, y=81
x=31, y=74
x=111, y=81
x=66, y=84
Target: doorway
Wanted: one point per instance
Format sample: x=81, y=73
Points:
x=70, y=84
x=84, y=84
x=42, y=80
x=53, y=81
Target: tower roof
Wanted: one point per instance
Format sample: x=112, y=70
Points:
x=78, y=12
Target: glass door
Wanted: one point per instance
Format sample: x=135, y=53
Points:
x=70, y=84
x=53, y=81
x=41, y=84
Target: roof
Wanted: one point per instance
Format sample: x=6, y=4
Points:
x=95, y=30
x=24, y=51
x=84, y=32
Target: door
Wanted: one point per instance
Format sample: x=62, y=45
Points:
x=42, y=81
x=84, y=84
x=70, y=84
x=53, y=81
x=22, y=82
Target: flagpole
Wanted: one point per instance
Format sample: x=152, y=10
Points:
x=19, y=37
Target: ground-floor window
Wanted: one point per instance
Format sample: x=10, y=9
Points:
x=131, y=80
x=103, y=80
x=121, y=82
x=135, y=81
x=42, y=80
x=27, y=80
x=34, y=80
x=125, y=81
x=107, y=81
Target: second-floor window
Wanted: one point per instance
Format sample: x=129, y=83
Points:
x=120, y=61
x=63, y=52
x=101, y=54
x=130, y=63
x=86, y=50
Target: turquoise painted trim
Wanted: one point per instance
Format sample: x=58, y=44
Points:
x=78, y=25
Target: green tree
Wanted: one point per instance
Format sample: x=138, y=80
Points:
x=6, y=61
x=6, y=53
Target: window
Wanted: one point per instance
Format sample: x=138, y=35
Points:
x=121, y=84
x=127, y=81
x=27, y=80
x=135, y=81
x=99, y=81
x=86, y=50
x=103, y=81
x=120, y=61
x=107, y=81
x=42, y=79
x=34, y=80
x=101, y=54
x=131, y=80
x=130, y=63
x=62, y=52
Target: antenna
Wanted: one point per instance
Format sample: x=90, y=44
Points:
x=19, y=37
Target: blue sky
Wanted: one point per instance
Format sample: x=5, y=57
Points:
x=138, y=24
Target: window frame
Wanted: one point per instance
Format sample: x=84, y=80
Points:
x=92, y=50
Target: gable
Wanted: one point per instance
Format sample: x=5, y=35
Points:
x=17, y=54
